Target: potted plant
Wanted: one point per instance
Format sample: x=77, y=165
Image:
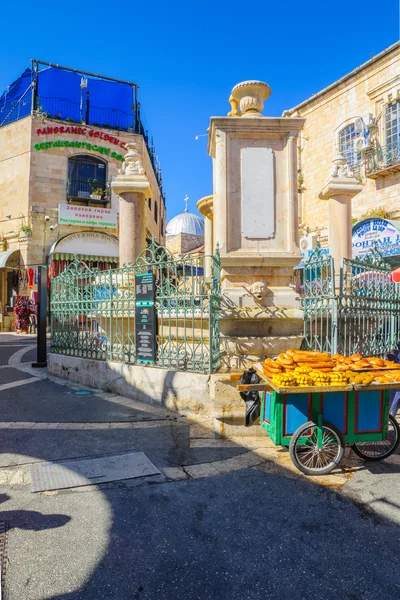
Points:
x=25, y=231
x=97, y=194
x=96, y=191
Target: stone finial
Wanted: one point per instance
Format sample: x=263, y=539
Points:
x=234, y=112
x=133, y=161
x=132, y=176
x=251, y=96
x=340, y=168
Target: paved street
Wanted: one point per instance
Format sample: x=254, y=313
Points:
x=224, y=519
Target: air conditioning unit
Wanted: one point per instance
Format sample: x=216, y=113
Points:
x=361, y=144
x=308, y=243
x=367, y=121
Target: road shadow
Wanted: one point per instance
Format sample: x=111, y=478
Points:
x=251, y=533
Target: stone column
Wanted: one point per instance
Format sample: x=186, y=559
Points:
x=132, y=186
x=255, y=222
x=340, y=188
x=205, y=207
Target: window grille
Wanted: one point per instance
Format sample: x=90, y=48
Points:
x=392, y=123
x=346, y=144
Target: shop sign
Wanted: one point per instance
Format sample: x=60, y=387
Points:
x=379, y=232
x=91, y=243
x=75, y=144
x=93, y=133
x=87, y=216
x=145, y=318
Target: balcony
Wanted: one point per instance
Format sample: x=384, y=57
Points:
x=382, y=161
x=87, y=192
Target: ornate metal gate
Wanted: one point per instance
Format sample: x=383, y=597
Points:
x=357, y=310
x=93, y=312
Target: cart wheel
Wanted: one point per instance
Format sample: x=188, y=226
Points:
x=304, y=451
x=380, y=450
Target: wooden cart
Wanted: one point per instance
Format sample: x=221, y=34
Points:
x=317, y=422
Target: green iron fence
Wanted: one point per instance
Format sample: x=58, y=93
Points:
x=93, y=312
x=355, y=311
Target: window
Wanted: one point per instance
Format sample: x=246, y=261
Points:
x=392, y=125
x=162, y=227
x=346, y=144
x=156, y=211
x=149, y=203
x=86, y=178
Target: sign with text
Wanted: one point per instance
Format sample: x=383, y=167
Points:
x=380, y=232
x=87, y=216
x=145, y=318
x=144, y=287
x=145, y=333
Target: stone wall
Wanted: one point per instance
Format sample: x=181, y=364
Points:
x=33, y=183
x=367, y=91
x=183, y=242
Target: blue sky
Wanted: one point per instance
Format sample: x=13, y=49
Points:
x=187, y=56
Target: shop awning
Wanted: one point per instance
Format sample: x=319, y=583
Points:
x=93, y=246
x=91, y=257
x=9, y=258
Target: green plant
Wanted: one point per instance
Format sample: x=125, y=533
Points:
x=300, y=182
x=97, y=191
x=376, y=213
x=26, y=229
x=94, y=184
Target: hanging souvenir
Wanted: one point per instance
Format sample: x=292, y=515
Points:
x=30, y=278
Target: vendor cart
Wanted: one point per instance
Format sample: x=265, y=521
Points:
x=317, y=422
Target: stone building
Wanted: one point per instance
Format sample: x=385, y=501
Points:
x=63, y=138
x=357, y=116
x=185, y=233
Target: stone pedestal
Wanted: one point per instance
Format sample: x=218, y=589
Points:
x=255, y=222
x=339, y=190
x=132, y=186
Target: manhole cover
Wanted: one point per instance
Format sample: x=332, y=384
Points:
x=83, y=393
x=89, y=471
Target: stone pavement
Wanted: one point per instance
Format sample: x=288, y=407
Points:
x=225, y=519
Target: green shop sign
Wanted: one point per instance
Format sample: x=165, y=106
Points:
x=82, y=145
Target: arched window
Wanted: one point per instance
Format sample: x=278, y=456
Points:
x=346, y=144
x=392, y=125
x=156, y=211
x=86, y=178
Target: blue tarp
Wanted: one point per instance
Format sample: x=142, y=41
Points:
x=10, y=100
x=59, y=95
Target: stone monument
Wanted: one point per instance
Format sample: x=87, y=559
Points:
x=255, y=222
x=132, y=186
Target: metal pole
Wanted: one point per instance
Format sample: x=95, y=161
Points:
x=41, y=319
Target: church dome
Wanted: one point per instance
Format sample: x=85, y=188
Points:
x=186, y=222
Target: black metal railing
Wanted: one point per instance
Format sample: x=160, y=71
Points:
x=384, y=158
x=84, y=190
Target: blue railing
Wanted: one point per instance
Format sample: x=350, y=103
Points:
x=63, y=109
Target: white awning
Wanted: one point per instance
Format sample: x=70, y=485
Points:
x=86, y=245
x=10, y=259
